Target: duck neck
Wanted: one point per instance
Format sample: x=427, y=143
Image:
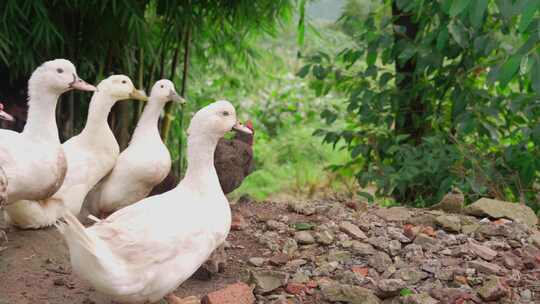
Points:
x=200, y=162
x=99, y=109
x=148, y=123
x=41, y=120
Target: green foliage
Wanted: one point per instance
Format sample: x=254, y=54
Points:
x=440, y=93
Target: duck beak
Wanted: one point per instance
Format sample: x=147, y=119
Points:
x=79, y=84
x=138, y=94
x=176, y=98
x=239, y=127
x=6, y=116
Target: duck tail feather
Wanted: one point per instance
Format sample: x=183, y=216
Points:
x=74, y=231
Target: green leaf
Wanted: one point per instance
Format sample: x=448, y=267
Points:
x=442, y=38
x=476, y=12
x=509, y=69
x=405, y=292
x=303, y=226
x=407, y=54
x=535, y=74
x=302, y=23
x=303, y=71
x=371, y=57
x=527, y=14
x=505, y=7
x=383, y=80
x=367, y=195
x=458, y=6
x=459, y=33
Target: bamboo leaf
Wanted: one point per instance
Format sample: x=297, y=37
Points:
x=458, y=6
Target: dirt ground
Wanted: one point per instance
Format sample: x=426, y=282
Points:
x=35, y=268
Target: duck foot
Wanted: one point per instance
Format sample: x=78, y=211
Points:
x=215, y=263
x=172, y=299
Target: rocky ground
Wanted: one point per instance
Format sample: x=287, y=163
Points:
x=328, y=251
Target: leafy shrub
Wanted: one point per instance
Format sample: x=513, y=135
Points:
x=441, y=93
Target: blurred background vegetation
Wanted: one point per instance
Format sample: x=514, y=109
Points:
x=392, y=100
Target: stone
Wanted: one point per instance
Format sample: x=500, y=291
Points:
x=493, y=289
x=352, y=230
x=326, y=269
x=289, y=247
x=419, y=298
x=195, y=300
x=449, y=222
x=238, y=222
x=294, y=264
x=362, y=271
x=393, y=214
x=362, y=248
x=450, y=295
x=431, y=266
x=256, y=261
x=426, y=241
x=501, y=209
x=275, y=225
x=380, y=261
x=324, y=237
x=336, y=292
x=452, y=202
x=300, y=277
x=484, y=252
x=268, y=280
x=238, y=293
x=302, y=208
x=410, y=275
x=484, y=267
x=535, y=238
x=390, y=287
x=304, y=237
x=445, y=274
x=396, y=234
x=279, y=259
x=379, y=242
x=512, y=261
x=295, y=288
x=394, y=247
x=338, y=256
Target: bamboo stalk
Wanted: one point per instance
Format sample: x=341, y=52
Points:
x=183, y=92
x=167, y=120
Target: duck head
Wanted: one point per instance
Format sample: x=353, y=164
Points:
x=163, y=91
x=4, y=115
x=58, y=76
x=120, y=87
x=246, y=137
x=215, y=120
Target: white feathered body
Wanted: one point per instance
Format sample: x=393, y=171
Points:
x=89, y=157
x=35, y=167
x=144, y=164
x=146, y=250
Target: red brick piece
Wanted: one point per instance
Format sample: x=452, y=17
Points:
x=238, y=293
x=295, y=288
x=238, y=222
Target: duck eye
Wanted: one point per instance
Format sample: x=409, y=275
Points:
x=123, y=81
x=225, y=113
x=60, y=71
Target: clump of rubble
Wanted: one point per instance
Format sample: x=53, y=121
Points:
x=343, y=252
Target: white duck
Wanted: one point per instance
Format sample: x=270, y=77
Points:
x=144, y=163
x=3, y=177
x=145, y=251
x=89, y=155
x=33, y=160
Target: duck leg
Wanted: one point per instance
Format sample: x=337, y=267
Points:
x=173, y=299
